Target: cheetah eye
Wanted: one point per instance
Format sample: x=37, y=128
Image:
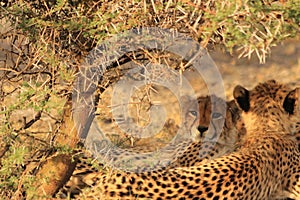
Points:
x=194, y=113
x=216, y=115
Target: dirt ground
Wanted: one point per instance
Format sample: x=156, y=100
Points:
x=283, y=64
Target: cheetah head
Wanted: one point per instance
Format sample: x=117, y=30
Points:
x=270, y=106
x=223, y=128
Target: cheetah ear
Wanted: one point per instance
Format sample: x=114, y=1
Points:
x=290, y=101
x=241, y=95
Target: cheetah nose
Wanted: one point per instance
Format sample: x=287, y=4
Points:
x=202, y=129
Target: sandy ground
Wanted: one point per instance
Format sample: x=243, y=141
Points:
x=282, y=65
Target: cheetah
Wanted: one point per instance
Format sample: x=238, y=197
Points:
x=266, y=162
x=186, y=153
